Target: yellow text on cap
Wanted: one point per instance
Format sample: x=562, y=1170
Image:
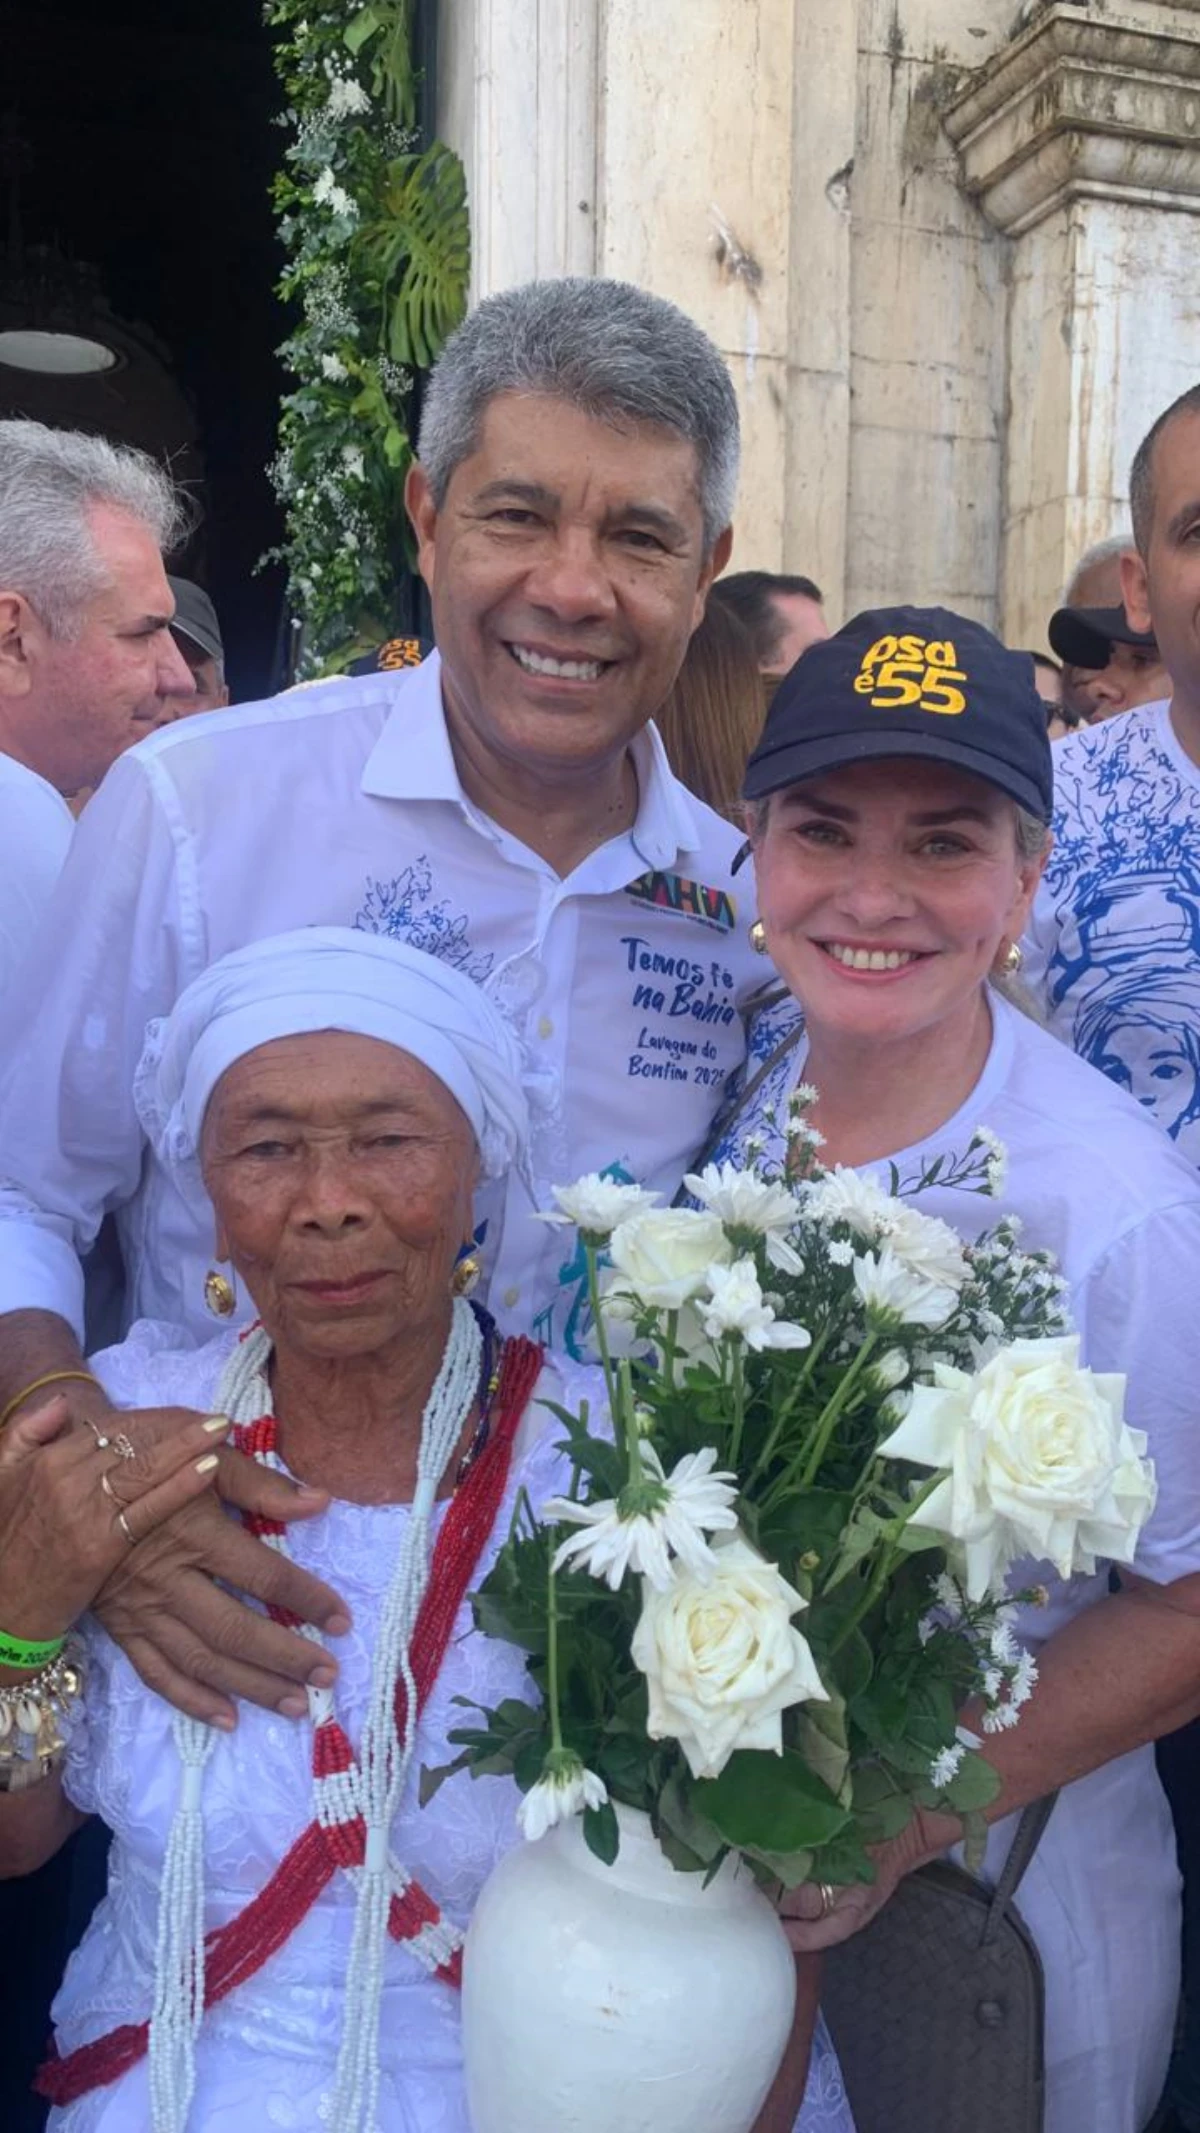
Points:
x=914, y=674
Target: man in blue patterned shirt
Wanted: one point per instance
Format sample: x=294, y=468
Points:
x=1114, y=947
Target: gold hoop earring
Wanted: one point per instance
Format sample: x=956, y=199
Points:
x=465, y=1277
x=1013, y=959
x=220, y=1294
x=758, y=937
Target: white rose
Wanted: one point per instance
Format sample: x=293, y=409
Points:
x=663, y=1257
x=721, y=1659
x=1040, y=1462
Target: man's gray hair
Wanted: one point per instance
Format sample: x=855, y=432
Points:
x=1099, y=552
x=49, y=480
x=608, y=348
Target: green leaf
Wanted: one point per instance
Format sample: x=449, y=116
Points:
x=852, y=1668
x=770, y=1803
x=365, y=25
x=819, y=1735
x=793, y=1869
x=433, y=1776
x=881, y=1808
x=696, y=1843
x=975, y=1785
x=601, y=1832
x=421, y=252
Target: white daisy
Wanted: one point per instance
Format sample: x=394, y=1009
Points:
x=750, y=1207
x=736, y=1304
x=597, y=1204
x=945, y=1767
x=887, y=1286
x=565, y=1787
x=653, y=1519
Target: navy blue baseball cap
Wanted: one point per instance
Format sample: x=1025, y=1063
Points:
x=909, y=681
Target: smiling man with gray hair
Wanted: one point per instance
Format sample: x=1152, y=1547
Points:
x=507, y=806
x=87, y=666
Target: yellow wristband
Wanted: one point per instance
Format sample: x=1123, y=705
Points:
x=52, y=1377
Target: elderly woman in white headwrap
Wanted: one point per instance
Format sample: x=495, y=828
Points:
x=280, y=1940
x=342, y=1095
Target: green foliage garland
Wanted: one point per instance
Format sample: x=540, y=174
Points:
x=378, y=246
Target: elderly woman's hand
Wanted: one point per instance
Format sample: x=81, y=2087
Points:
x=76, y=1498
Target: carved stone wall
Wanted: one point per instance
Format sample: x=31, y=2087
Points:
x=948, y=246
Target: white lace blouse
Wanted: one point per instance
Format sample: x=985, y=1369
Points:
x=266, y=2055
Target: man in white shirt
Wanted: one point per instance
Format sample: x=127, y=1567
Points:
x=1114, y=947
x=507, y=806
x=87, y=665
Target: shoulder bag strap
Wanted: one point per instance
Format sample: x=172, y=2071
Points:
x=1029, y=1832
x=725, y=1119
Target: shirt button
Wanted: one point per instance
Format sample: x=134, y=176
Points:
x=545, y=1027
x=511, y=1298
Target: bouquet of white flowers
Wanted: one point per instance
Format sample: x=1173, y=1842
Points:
x=781, y=1568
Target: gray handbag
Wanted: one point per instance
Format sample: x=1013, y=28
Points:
x=937, y=2008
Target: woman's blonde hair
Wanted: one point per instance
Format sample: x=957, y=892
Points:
x=714, y=714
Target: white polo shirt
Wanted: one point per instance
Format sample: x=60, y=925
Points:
x=341, y=805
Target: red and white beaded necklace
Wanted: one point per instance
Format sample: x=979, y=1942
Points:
x=354, y=1798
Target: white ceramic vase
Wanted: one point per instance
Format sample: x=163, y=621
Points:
x=621, y=1999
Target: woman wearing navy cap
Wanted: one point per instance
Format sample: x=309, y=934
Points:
x=898, y=808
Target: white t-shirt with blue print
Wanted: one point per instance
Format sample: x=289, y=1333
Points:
x=1113, y=950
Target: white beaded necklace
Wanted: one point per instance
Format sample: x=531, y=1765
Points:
x=377, y=1782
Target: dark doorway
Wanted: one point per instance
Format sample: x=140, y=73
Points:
x=144, y=135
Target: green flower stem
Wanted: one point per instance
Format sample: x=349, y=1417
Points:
x=888, y=1557
x=737, y=1366
x=625, y=1420
x=834, y=1408
x=556, y=1740
x=592, y=1257
x=788, y=1408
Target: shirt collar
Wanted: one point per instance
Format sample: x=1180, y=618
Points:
x=413, y=760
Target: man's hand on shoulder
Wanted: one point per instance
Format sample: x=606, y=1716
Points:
x=198, y=1645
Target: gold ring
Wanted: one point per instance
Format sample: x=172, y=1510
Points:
x=102, y=1442
x=828, y=1898
x=110, y=1492
x=123, y=1523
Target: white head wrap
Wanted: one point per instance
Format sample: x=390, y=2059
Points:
x=330, y=977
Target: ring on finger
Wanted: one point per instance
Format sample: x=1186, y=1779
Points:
x=828, y=1898
x=123, y=1523
x=122, y=1446
x=103, y=1442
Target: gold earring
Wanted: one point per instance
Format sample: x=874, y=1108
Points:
x=220, y=1294
x=1013, y=959
x=465, y=1276
x=758, y=937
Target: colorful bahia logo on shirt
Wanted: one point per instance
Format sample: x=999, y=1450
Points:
x=403, y=910
x=912, y=673
x=693, y=899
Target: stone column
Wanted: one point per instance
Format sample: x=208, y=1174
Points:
x=686, y=146
x=1081, y=141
